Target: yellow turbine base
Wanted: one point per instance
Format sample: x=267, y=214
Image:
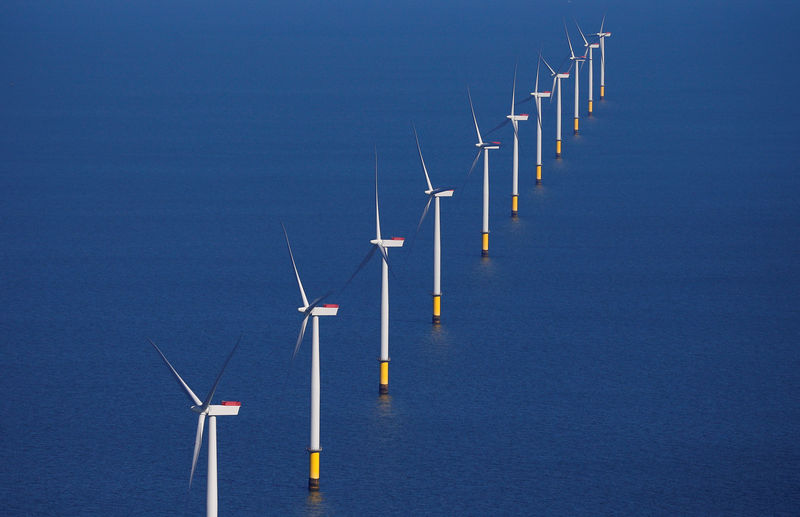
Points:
x=437, y=307
x=313, y=470
x=558, y=148
x=485, y=248
x=602, y=91
x=590, y=107
x=514, y=205
x=538, y=174
x=576, y=125
x=384, y=373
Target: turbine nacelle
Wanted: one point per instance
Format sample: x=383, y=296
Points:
x=541, y=95
x=328, y=309
x=440, y=192
x=521, y=116
x=603, y=34
x=562, y=76
x=394, y=242
x=488, y=145
x=594, y=45
x=227, y=408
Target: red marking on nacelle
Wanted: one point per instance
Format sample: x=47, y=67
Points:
x=497, y=143
x=231, y=403
x=331, y=305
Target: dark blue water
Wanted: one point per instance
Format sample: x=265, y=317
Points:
x=630, y=347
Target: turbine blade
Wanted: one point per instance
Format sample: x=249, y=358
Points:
x=471, y=107
x=219, y=376
x=553, y=89
x=377, y=212
x=198, y=441
x=384, y=254
x=424, y=214
x=536, y=88
x=300, y=335
x=498, y=126
x=181, y=382
x=474, y=162
x=524, y=101
x=602, y=22
x=571, y=52
x=296, y=274
x=585, y=43
x=552, y=72
x=364, y=261
x=514, y=89
x=421, y=160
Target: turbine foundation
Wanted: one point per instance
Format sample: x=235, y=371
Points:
x=576, y=125
x=602, y=91
x=313, y=471
x=437, y=308
x=590, y=108
x=538, y=174
x=485, y=248
x=558, y=148
x=514, y=205
x=383, y=389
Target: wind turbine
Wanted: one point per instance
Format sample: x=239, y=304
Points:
x=433, y=195
x=382, y=245
x=483, y=147
x=591, y=47
x=603, y=35
x=311, y=310
x=515, y=119
x=538, y=96
x=576, y=60
x=557, y=77
x=212, y=411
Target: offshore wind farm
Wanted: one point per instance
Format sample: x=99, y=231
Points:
x=629, y=346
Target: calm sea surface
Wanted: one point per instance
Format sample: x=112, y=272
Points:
x=631, y=346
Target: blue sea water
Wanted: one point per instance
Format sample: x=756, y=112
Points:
x=629, y=348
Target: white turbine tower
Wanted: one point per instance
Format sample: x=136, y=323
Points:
x=515, y=119
x=212, y=411
x=433, y=195
x=576, y=60
x=483, y=147
x=557, y=77
x=382, y=245
x=538, y=96
x=602, y=35
x=590, y=47
x=311, y=310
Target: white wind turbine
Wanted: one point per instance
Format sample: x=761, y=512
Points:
x=557, y=77
x=591, y=47
x=382, y=245
x=576, y=60
x=538, y=96
x=212, y=411
x=433, y=195
x=483, y=147
x=311, y=310
x=515, y=119
x=603, y=35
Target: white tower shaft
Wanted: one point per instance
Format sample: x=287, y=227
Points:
x=314, y=437
x=211, y=488
x=384, y=309
x=591, y=74
x=515, y=163
x=602, y=65
x=539, y=131
x=558, y=111
x=577, y=75
x=485, y=191
x=437, y=250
